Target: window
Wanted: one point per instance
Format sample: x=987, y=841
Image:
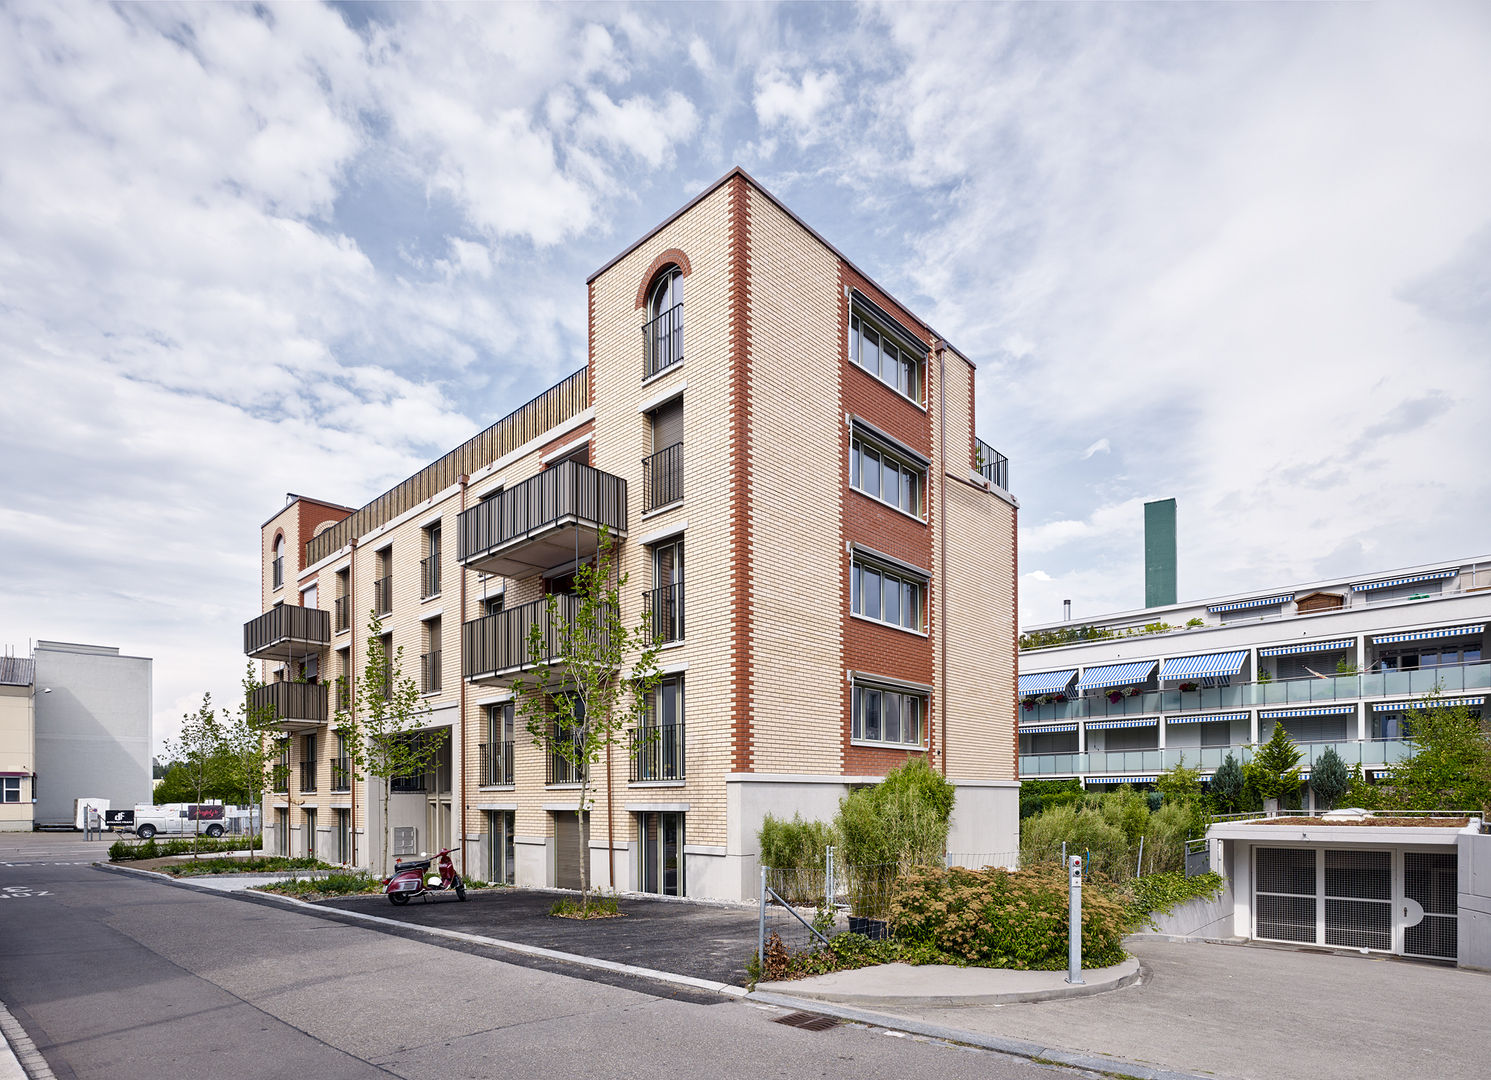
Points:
x=277, y=564
x=386, y=690
x=886, y=596
x=308, y=763
x=658, y=753
x=383, y=585
x=429, y=659
x=503, y=850
x=888, y=716
x=344, y=679
x=880, y=474
x=429, y=566
x=880, y=354
x=1217, y=733
x=1413, y=591
x=662, y=471
x=665, y=600
x=1048, y=742
x=662, y=337
x=492, y=605
x=342, y=604
x=497, y=752
x=344, y=836
x=10, y=789
x=1137, y=738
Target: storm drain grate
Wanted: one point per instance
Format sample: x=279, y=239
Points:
x=807, y=1021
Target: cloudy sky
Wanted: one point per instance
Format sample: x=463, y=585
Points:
x=1238, y=255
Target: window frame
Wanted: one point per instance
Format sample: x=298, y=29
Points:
x=859, y=566
x=860, y=697
x=9, y=785
x=856, y=353
x=861, y=445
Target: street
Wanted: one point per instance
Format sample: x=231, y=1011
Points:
x=116, y=978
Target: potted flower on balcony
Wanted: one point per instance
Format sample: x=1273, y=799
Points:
x=1135, y=691
x=1115, y=696
x=1059, y=699
x=1188, y=687
x=1028, y=704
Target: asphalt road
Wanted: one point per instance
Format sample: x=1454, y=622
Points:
x=118, y=978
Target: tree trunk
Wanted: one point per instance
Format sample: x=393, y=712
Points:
x=584, y=831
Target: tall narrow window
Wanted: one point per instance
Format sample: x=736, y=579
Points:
x=429, y=658
x=497, y=751
x=342, y=603
x=665, y=599
x=662, y=337
x=429, y=566
x=383, y=584
x=277, y=564
x=662, y=470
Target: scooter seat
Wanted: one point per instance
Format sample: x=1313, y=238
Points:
x=400, y=867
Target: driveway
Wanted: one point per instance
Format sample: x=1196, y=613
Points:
x=705, y=941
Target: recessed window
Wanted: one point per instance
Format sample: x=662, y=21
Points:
x=277, y=566
x=662, y=337
x=880, y=353
x=886, y=596
x=10, y=789
x=881, y=474
x=893, y=717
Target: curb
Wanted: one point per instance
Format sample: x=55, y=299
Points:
x=17, y=1049
x=960, y=1000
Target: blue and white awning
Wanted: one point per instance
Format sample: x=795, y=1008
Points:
x=1043, y=682
x=1425, y=635
x=1204, y=718
x=1117, y=674
x=1265, y=601
x=1328, y=710
x=1309, y=646
x=1041, y=729
x=1121, y=779
x=1108, y=725
x=1407, y=706
x=1206, y=666
x=1364, y=586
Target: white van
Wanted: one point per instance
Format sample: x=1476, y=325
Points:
x=179, y=819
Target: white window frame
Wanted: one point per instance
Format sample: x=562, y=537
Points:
x=859, y=443
x=10, y=786
x=859, y=565
x=856, y=353
x=860, y=695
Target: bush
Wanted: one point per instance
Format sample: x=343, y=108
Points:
x=1006, y=919
x=331, y=885
x=1083, y=831
x=1159, y=893
x=902, y=821
x=793, y=844
x=126, y=850
x=1038, y=795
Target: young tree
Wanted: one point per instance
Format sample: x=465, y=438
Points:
x=199, y=752
x=383, y=740
x=579, y=702
x=1330, y=778
x=1450, y=767
x=1274, y=770
x=1227, y=785
x=250, y=750
x=1181, y=784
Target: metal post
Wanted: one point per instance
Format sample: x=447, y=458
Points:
x=1074, y=921
x=829, y=892
x=761, y=926
x=1139, y=869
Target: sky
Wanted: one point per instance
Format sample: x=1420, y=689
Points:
x=1237, y=255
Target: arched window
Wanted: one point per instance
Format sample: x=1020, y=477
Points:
x=663, y=334
x=278, y=564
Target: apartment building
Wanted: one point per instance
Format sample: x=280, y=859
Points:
x=788, y=461
x=1339, y=663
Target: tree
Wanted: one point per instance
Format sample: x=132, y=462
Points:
x=382, y=727
x=1180, y=784
x=199, y=751
x=249, y=751
x=1227, y=785
x=1450, y=767
x=1274, y=770
x=578, y=701
x=1330, y=778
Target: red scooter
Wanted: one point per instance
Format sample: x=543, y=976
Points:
x=417, y=879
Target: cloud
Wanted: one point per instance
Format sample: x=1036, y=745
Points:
x=795, y=103
x=1099, y=447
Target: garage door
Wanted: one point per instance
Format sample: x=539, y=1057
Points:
x=566, y=849
x=1383, y=900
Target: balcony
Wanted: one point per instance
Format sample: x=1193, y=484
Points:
x=496, y=764
x=1370, y=754
x=546, y=521
x=662, y=477
x=341, y=774
x=307, y=776
x=657, y=753
x=495, y=647
x=383, y=595
x=666, y=606
x=662, y=342
x=429, y=672
x=342, y=606
x=560, y=770
x=294, y=706
x=429, y=576
x=992, y=465
x=285, y=632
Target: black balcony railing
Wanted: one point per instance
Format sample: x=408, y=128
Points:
x=342, y=606
x=662, y=477
x=496, y=763
x=992, y=464
x=662, y=342
x=279, y=779
x=286, y=629
x=341, y=774
x=570, y=493
x=657, y=752
x=290, y=702
x=499, y=644
x=383, y=595
x=429, y=672
x=411, y=784
x=429, y=575
x=344, y=694
x=666, y=607
x=307, y=776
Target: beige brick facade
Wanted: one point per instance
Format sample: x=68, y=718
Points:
x=767, y=520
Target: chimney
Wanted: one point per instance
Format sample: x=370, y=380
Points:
x=1066, y=611
x=1159, y=552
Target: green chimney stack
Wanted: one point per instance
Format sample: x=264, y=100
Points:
x=1159, y=552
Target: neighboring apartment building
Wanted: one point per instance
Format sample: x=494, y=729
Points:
x=1338, y=662
x=788, y=459
x=75, y=720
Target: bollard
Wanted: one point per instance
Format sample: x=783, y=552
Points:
x=1074, y=921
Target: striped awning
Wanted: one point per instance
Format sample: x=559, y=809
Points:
x=1107, y=725
x=1041, y=729
x=1364, y=586
x=1117, y=674
x=1425, y=635
x=1121, y=779
x=1204, y=718
x=1327, y=710
x=1205, y=666
x=1263, y=601
x=1309, y=646
x=1043, y=682
x=1405, y=706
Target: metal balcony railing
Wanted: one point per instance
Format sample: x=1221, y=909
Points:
x=546, y=520
x=1369, y=753
x=286, y=631
x=496, y=763
x=279, y=779
x=411, y=784
x=666, y=607
x=341, y=774
x=429, y=672
x=307, y=776
x=662, y=477
x=496, y=645
x=277, y=571
x=383, y=595
x=657, y=753
x=994, y=466
x=429, y=575
x=290, y=702
x=560, y=769
x=662, y=342
x=342, y=607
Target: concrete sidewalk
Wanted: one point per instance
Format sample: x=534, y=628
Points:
x=902, y=986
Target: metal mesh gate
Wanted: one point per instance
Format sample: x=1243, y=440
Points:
x=1429, y=882
x=1284, y=894
x=1359, y=899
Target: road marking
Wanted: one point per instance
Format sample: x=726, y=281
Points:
x=20, y=892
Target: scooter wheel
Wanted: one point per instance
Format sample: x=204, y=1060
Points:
x=460, y=889
x=398, y=898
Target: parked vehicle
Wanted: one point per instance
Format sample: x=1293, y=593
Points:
x=179, y=819
x=415, y=878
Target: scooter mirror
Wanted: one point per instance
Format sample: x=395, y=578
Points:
x=424, y=854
